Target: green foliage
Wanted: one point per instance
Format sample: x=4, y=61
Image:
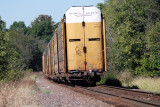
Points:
x=21, y=47
x=16, y=51
x=29, y=48
x=100, y=6
x=46, y=91
x=151, y=59
x=36, y=61
x=18, y=26
x=10, y=60
x=133, y=36
x=42, y=27
x=3, y=51
x=110, y=79
x=25, y=45
x=2, y=25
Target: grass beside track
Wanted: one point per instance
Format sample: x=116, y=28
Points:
x=126, y=79
x=21, y=93
x=147, y=83
x=144, y=83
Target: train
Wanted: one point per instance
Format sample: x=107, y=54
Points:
x=77, y=50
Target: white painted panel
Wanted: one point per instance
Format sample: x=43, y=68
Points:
x=80, y=14
x=92, y=14
x=74, y=15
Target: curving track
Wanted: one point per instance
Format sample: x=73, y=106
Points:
x=128, y=97
x=119, y=96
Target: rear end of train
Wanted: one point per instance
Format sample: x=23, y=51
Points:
x=77, y=51
x=85, y=43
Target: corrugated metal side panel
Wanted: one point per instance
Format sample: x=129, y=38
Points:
x=50, y=47
x=43, y=63
x=60, y=48
x=47, y=61
x=64, y=45
x=52, y=56
x=55, y=54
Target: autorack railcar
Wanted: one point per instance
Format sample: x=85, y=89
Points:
x=77, y=50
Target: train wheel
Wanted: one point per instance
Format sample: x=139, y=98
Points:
x=98, y=78
x=73, y=81
x=91, y=81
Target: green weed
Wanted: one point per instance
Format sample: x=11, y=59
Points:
x=46, y=91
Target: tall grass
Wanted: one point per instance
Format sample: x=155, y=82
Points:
x=147, y=83
x=19, y=93
x=127, y=79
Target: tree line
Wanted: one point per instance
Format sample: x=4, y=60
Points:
x=22, y=47
x=132, y=32
x=133, y=36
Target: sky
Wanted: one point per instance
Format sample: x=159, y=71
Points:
x=28, y=10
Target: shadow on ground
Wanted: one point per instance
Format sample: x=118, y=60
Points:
x=117, y=83
x=113, y=82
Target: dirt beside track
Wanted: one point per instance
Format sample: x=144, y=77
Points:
x=53, y=95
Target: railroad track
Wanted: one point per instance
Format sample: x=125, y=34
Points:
x=127, y=97
x=119, y=96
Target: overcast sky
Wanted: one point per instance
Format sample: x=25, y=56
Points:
x=28, y=10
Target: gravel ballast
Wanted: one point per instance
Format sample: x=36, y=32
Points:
x=53, y=95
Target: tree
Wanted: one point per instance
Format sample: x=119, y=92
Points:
x=3, y=51
x=36, y=61
x=18, y=26
x=100, y=6
x=2, y=25
x=10, y=60
x=3, y=47
x=130, y=24
x=25, y=45
x=42, y=27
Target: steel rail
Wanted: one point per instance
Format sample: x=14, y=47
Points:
x=132, y=100
x=133, y=90
x=125, y=100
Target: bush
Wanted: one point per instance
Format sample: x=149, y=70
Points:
x=125, y=77
x=110, y=79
